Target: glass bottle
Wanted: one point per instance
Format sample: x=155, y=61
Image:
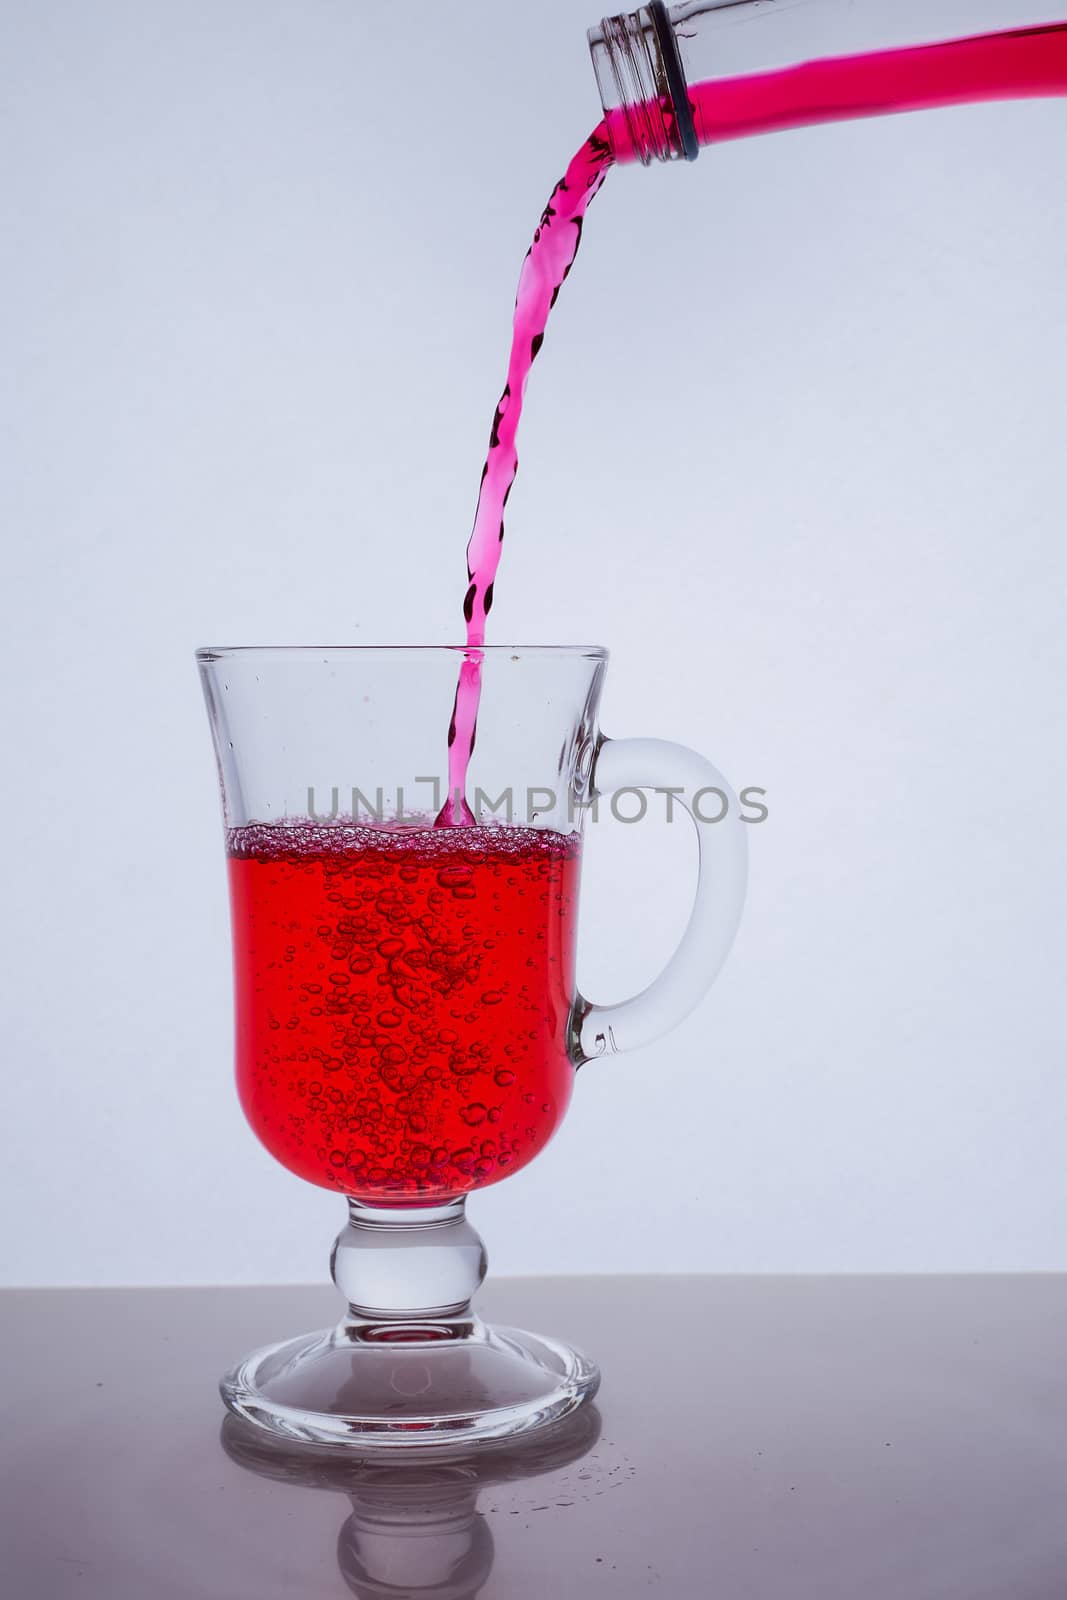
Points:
x=674, y=80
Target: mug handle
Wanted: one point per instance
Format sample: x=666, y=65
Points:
x=722, y=870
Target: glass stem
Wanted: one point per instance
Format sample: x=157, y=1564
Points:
x=413, y=1264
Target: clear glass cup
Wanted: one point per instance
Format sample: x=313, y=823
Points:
x=407, y=1021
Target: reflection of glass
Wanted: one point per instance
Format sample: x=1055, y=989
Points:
x=415, y=1529
x=408, y=1024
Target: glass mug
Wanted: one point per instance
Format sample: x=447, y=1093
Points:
x=407, y=1021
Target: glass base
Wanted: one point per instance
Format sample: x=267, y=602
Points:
x=374, y=1386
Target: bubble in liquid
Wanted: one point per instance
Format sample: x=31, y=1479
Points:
x=474, y=1114
x=505, y=1077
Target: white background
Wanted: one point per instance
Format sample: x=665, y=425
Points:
x=794, y=451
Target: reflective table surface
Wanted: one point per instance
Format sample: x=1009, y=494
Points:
x=753, y=1438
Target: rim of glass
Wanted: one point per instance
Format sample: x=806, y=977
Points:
x=586, y=652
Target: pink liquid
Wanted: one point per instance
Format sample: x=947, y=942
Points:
x=548, y=261
x=1024, y=64
x=1019, y=64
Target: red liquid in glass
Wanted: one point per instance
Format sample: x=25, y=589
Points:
x=403, y=1001
x=1017, y=64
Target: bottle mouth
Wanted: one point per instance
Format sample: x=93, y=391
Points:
x=642, y=85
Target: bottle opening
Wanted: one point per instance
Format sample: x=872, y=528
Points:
x=642, y=86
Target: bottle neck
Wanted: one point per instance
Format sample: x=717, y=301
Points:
x=643, y=88
x=706, y=71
